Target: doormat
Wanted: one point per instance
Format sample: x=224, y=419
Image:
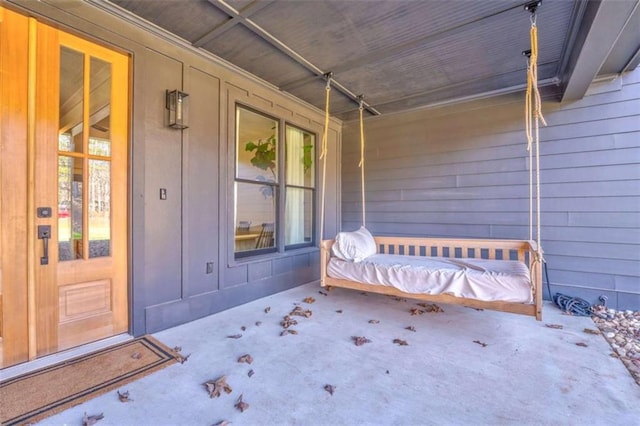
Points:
x=44, y=392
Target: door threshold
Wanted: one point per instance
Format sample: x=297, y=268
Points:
x=45, y=361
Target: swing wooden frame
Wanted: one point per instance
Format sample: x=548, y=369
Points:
x=528, y=251
x=524, y=250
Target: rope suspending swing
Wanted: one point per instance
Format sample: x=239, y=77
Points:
x=533, y=118
x=361, y=163
x=323, y=152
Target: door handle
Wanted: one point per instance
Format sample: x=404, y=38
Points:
x=44, y=233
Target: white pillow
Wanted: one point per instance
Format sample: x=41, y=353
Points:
x=354, y=246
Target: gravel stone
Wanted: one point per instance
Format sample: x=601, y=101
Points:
x=622, y=330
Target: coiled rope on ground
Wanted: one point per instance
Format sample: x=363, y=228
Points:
x=573, y=305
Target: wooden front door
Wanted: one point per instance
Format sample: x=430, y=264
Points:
x=63, y=181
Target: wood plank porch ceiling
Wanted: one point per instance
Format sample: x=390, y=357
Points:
x=399, y=54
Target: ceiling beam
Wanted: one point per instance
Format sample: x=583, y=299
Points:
x=603, y=23
x=282, y=47
x=247, y=11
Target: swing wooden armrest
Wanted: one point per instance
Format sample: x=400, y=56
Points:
x=523, y=250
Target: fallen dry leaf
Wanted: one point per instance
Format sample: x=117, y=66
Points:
x=484, y=345
x=584, y=345
x=556, y=326
x=91, y=420
x=360, y=340
x=298, y=311
x=330, y=389
x=235, y=336
x=241, y=405
x=182, y=358
x=591, y=331
x=400, y=342
x=246, y=358
x=309, y=300
x=250, y=373
x=433, y=308
x=416, y=311
x=288, y=322
x=288, y=331
x=323, y=293
x=215, y=387
x=136, y=355
x=178, y=356
x=410, y=328
x=124, y=396
x=374, y=322
x=424, y=305
x=267, y=309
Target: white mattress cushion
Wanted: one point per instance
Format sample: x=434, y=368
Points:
x=354, y=246
x=480, y=279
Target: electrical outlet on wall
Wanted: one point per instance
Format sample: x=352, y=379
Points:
x=209, y=267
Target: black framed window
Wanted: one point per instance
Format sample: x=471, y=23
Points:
x=270, y=178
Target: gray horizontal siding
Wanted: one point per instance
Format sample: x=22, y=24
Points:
x=463, y=171
x=576, y=204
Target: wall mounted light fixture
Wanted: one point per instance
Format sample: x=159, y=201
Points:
x=176, y=104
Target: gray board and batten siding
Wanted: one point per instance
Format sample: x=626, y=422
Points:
x=462, y=171
x=172, y=240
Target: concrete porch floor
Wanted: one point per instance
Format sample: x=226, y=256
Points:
x=526, y=374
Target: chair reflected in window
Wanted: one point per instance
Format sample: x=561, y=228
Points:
x=243, y=228
x=245, y=238
x=265, y=239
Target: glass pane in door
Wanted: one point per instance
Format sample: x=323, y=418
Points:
x=99, y=108
x=99, y=208
x=71, y=100
x=70, y=173
x=99, y=177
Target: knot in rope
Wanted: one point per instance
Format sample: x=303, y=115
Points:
x=537, y=257
x=323, y=145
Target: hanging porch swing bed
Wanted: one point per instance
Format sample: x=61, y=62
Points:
x=501, y=275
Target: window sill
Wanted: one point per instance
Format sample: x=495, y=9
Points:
x=271, y=256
